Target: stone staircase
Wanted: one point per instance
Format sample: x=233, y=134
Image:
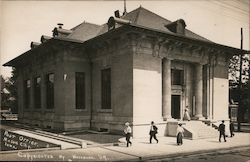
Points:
x=199, y=130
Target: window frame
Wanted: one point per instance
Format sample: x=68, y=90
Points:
x=80, y=90
x=175, y=80
x=27, y=94
x=106, y=93
x=50, y=92
x=37, y=93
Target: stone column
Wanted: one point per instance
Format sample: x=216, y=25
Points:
x=198, y=91
x=166, y=88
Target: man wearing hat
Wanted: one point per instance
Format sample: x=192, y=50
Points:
x=128, y=132
x=153, y=132
x=222, y=131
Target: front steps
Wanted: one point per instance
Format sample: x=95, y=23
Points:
x=199, y=130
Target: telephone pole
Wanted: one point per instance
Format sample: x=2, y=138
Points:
x=239, y=114
x=125, y=8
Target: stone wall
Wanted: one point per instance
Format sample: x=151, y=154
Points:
x=119, y=59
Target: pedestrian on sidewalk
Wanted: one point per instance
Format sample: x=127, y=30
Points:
x=222, y=131
x=186, y=115
x=128, y=132
x=179, y=134
x=153, y=131
x=231, y=128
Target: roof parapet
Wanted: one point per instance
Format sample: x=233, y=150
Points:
x=59, y=31
x=115, y=20
x=45, y=38
x=34, y=44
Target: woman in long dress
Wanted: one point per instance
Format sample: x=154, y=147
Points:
x=179, y=134
x=186, y=114
x=128, y=132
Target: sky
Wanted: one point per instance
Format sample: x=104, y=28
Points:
x=24, y=21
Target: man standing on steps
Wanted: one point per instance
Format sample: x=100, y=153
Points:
x=222, y=131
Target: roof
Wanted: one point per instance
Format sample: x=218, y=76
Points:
x=84, y=31
x=169, y=35
x=140, y=18
x=146, y=18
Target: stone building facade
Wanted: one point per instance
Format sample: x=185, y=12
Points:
x=139, y=67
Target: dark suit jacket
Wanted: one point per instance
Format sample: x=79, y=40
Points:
x=154, y=131
x=222, y=127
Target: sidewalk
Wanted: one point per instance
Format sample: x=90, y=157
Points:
x=167, y=146
x=140, y=150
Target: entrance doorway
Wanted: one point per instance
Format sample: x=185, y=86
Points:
x=175, y=106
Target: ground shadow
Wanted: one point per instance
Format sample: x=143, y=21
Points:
x=145, y=143
x=214, y=141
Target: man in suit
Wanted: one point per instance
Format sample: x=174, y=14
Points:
x=231, y=128
x=222, y=131
x=153, y=132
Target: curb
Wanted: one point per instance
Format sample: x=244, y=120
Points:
x=30, y=150
x=159, y=157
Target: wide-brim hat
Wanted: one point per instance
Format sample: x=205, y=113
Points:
x=127, y=123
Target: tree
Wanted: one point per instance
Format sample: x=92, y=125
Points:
x=239, y=87
x=12, y=87
x=9, y=92
x=5, y=94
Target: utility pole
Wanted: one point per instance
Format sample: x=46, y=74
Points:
x=239, y=114
x=248, y=118
x=125, y=8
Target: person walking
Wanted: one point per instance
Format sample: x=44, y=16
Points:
x=179, y=134
x=231, y=128
x=128, y=132
x=153, y=132
x=222, y=131
x=186, y=115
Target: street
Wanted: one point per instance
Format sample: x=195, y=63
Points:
x=239, y=155
x=204, y=150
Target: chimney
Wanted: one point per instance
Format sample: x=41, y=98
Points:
x=117, y=14
x=60, y=25
x=180, y=27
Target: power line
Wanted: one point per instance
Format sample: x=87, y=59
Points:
x=231, y=6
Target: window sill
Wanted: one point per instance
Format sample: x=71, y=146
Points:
x=49, y=110
x=104, y=110
x=37, y=110
x=80, y=110
x=28, y=110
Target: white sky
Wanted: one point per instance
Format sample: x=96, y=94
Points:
x=24, y=21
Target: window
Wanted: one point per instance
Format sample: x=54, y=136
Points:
x=50, y=91
x=80, y=90
x=177, y=77
x=37, y=92
x=106, y=88
x=27, y=85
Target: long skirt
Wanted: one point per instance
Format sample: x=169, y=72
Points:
x=186, y=116
x=179, y=138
